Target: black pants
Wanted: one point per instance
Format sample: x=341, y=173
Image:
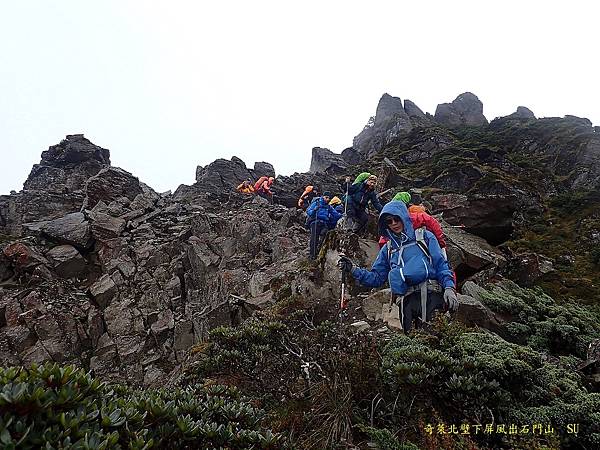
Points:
x=359, y=217
x=412, y=308
x=264, y=195
x=318, y=230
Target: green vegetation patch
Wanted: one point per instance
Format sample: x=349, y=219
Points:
x=64, y=407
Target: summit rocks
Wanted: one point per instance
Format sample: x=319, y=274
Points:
x=466, y=109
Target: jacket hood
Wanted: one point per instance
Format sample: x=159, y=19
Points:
x=396, y=208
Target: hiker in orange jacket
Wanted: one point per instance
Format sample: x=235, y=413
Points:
x=307, y=196
x=246, y=187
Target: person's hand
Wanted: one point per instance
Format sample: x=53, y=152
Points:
x=450, y=299
x=345, y=264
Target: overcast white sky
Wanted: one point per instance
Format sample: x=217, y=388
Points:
x=167, y=85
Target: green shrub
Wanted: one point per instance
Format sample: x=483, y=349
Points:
x=64, y=407
x=480, y=378
x=537, y=320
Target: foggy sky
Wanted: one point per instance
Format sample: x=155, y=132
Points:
x=167, y=86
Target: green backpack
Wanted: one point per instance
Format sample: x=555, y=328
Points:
x=361, y=177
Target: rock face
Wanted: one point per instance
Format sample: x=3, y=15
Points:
x=67, y=261
x=389, y=122
x=522, y=112
x=324, y=160
x=55, y=186
x=488, y=216
x=222, y=176
x=466, y=109
x=98, y=270
x=71, y=229
x=413, y=110
x=111, y=184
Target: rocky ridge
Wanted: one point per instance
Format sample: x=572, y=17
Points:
x=98, y=269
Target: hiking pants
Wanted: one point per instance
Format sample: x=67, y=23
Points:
x=359, y=217
x=265, y=195
x=318, y=230
x=412, y=307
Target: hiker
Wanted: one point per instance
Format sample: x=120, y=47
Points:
x=359, y=196
x=415, y=203
x=320, y=216
x=307, y=196
x=263, y=187
x=419, y=220
x=337, y=204
x=412, y=263
x=246, y=187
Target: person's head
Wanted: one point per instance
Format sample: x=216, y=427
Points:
x=402, y=197
x=394, y=223
x=371, y=181
x=416, y=199
x=327, y=196
x=388, y=224
x=335, y=201
x=271, y=179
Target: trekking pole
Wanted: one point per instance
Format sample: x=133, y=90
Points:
x=346, y=207
x=343, y=296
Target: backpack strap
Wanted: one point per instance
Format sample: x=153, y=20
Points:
x=420, y=237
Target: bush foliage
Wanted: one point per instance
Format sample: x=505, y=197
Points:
x=64, y=407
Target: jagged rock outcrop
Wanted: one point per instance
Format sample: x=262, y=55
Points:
x=466, y=109
x=221, y=177
x=324, y=160
x=55, y=186
x=352, y=156
x=389, y=122
x=522, y=112
x=412, y=110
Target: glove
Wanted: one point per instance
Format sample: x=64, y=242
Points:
x=450, y=299
x=345, y=264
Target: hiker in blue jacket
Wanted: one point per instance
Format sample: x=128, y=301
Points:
x=413, y=265
x=320, y=215
x=359, y=196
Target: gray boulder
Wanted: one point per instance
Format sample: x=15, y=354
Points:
x=488, y=216
x=466, y=109
x=71, y=229
x=103, y=290
x=263, y=168
x=111, y=183
x=472, y=312
x=66, y=260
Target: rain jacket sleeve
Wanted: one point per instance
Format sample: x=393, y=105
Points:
x=310, y=211
x=424, y=219
x=334, y=214
x=442, y=269
x=378, y=274
x=375, y=202
x=266, y=188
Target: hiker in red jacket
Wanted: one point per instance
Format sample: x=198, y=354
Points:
x=263, y=188
x=420, y=219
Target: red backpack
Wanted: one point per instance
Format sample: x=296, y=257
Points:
x=260, y=182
